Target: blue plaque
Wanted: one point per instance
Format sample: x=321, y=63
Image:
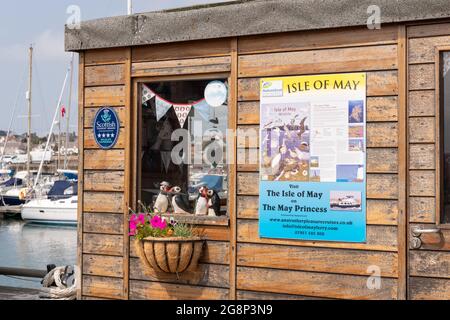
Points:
x=106, y=128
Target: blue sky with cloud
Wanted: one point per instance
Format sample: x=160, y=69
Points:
x=42, y=23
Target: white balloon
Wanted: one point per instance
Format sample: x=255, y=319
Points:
x=216, y=93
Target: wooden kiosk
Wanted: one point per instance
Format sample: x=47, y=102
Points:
x=241, y=43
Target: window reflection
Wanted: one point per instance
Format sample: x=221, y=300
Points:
x=181, y=105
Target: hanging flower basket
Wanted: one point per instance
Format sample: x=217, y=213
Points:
x=170, y=255
x=163, y=245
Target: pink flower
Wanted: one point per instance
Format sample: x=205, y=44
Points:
x=138, y=218
x=133, y=227
x=156, y=220
x=158, y=223
x=141, y=218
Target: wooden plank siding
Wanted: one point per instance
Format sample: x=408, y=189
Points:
x=100, y=265
x=252, y=295
x=102, y=287
x=149, y=290
x=102, y=193
x=236, y=263
x=181, y=67
x=316, y=259
x=80, y=208
x=211, y=275
x=215, y=277
x=319, y=61
x=321, y=39
x=103, y=223
x=105, y=75
x=101, y=96
x=429, y=267
x=313, y=284
x=302, y=269
x=181, y=50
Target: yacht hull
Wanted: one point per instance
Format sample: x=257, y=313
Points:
x=10, y=201
x=51, y=211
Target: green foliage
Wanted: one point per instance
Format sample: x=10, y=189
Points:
x=183, y=231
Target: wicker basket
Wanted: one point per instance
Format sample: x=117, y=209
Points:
x=170, y=255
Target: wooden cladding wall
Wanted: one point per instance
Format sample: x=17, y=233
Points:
x=271, y=268
x=236, y=262
x=103, y=242
x=429, y=267
x=212, y=279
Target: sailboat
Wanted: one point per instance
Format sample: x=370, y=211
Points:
x=59, y=205
x=16, y=194
x=13, y=191
x=5, y=175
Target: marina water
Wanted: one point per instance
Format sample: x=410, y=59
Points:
x=33, y=246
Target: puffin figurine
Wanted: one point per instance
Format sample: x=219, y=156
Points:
x=201, y=207
x=213, y=204
x=180, y=203
x=162, y=201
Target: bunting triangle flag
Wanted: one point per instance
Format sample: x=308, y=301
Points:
x=182, y=112
x=162, y=107
x=147, y=94
x=166, y=158
x=203, y=109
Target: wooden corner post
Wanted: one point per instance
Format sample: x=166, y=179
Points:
x=233, y=105
x=403, y=164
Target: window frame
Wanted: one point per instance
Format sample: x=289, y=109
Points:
x=439, y=143
x=136, y=132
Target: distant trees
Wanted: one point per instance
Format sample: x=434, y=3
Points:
x=36, y=140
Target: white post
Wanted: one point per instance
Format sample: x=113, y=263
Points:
x=69, y=107
x=130, y=7
x=30, y=85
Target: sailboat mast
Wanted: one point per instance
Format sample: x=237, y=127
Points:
x=69, y=105
x=13, y=115
x=55, y=118
x=58, y=163
x=29, y=96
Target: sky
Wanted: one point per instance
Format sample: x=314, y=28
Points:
x=41, y=23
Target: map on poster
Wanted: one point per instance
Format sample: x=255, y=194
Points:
x=313, y=158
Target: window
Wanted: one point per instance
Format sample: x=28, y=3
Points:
x=444, y=93
x=183, y=149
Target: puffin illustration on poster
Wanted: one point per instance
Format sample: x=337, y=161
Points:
x=313, y=158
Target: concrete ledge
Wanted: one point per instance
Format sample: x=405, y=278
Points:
x=241, y=18
x=8, y=293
